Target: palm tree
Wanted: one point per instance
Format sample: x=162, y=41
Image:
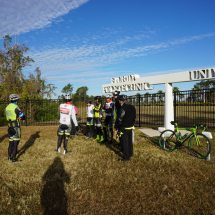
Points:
x=196, y=92
x=139, y=95
x=176, y=89
x=160, y=95
x=147, y=96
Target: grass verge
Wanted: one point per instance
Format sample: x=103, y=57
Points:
x=90, y=180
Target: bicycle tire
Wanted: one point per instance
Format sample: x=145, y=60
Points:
x=200, y=151
x=167, y=140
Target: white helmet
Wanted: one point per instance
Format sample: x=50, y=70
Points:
x=108, y=96
x=68, y=96
x=13, y=97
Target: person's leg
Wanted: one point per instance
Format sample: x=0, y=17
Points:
x=105, y=125
x=14, y=152
x=60, y=138
x=105, y=133
x=91, y=131
x=124, y=139
x=97, y=133
x=66, y=138
x=130, y=143
x=10, y=149
x=60, y=134
x=120, y=144
x=87, y=128
x=16, y=139
x=111, y=133
x=98, y=129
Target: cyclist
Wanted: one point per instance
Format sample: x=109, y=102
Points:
x=109, y=111
x=67, y=111
x=90, y=116
x=97, y=114
x=124, y=127
x=13, y=116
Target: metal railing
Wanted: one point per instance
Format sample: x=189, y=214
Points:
x=190, y=107
x=194, y=107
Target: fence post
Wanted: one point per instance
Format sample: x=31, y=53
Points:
x=139, y=111
x=175, y=106
x=26, y=115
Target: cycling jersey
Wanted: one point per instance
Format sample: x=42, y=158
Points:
x=90, y=112
x=97, y=110
x=66, y=112
x=109, y=108
x=13, y=113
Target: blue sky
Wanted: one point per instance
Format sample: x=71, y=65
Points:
x=86, y=42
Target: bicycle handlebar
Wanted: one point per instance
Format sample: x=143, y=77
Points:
x=197, y=126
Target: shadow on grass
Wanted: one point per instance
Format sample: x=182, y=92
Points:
x=3, y=137
x=28, y=144
x=152, y=140
x=113, y=146
x=53, y=196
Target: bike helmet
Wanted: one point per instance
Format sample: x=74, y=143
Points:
x=89, y=101
x=99, y=98
x=13, y=97
x=122, y=97
x=68, y=96
x=116, y=93
x=108, y=96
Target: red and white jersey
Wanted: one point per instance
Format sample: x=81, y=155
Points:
x=66, y=112
x=109, y=108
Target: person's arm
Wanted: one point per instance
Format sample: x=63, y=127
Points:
x=20, y=115
x=76, y=110
x=120, y=118
x=97, y=109
x=73, y=116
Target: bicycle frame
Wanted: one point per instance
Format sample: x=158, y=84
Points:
x=193, y=131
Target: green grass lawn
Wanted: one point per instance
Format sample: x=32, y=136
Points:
x=90, y=180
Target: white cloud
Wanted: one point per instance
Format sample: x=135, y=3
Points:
x=27, y=15
x=67, y=60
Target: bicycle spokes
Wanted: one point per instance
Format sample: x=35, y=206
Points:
x=199, y=146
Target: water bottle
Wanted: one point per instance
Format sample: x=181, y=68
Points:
x=184, y=136
x=179, y=135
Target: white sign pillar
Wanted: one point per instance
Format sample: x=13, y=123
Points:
x=168, y=112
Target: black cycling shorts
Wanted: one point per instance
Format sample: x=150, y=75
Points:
x=108, y=121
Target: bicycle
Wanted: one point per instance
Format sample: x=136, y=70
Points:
x=199, y=144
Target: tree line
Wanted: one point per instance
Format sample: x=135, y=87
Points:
x=13, y=60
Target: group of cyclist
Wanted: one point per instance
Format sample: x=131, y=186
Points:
x=94, y=117
x=123, y=113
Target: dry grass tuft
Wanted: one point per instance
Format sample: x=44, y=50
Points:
x=90, y=180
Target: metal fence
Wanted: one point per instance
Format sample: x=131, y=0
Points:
x=195, y=107
x=190, y=107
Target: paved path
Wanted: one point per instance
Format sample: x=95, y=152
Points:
x=155, y=133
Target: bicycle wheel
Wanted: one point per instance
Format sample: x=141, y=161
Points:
x=167, y=140
x=199, y=146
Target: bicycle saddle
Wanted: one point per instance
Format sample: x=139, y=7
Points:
x=173, y=122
